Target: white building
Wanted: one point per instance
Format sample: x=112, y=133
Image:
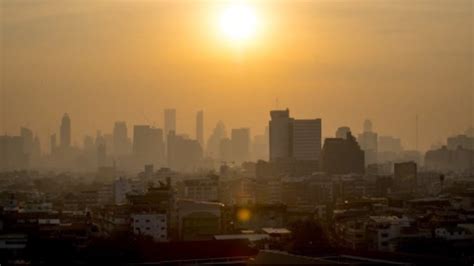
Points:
x=382, y=229
x=150, y=224
x=121, y=187
x=453, y=233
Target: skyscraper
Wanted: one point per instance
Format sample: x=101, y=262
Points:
x=215, y=138
x=170, y=121
x=240, y=139
x=200, y=127
x=184, y=154
x=148, y=145
x=368, y=141
x=342, y=156
x=65, y=132
x=306, y=139
x=121, y=143
x=298, y=139
x=280, y=142
x=27, y=136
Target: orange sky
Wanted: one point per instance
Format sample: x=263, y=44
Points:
x=342, y=61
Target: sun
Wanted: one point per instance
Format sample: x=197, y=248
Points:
x=238, y=22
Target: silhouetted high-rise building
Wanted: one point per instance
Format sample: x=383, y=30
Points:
x=342, y=156
x=280, y=137
x=260, y=146
x=368, y=142
x=121, y=142
x=405, y=176
x=295, y=139
x=184, y=154
x=27, y=136
x=214, y=140
x=12, y=155
x=88, y=145
x=306, y=139
x=170, y=121
x=225, y=150
x=389, y=144
x=341, y=132
x=65, y=132
x=53, y=143
x=200, y=128
x=148, y=145
x=240, y=139
x=101, y=147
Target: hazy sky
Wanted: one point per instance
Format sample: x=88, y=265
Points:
x=339, y=60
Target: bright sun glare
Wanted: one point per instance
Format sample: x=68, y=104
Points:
x=238, y=22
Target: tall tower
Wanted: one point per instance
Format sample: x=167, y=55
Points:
x=200, y=127
x=65, y=131
x=170, y=121
x=280, y=137
x=120, y=138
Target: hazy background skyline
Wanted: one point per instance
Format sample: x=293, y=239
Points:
x=342, y=61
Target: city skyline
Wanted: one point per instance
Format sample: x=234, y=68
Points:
x=371, y=64
x=237, y=132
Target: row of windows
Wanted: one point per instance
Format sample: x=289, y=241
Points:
x=147, y=229
x=147, y=220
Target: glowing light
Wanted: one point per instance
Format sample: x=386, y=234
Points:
x=238, y=22
x=243, y=215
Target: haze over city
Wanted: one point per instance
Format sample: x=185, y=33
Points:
x=343, y=61
x=236, y=132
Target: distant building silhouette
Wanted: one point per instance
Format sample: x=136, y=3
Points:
x=184, y=154
x=200, y=127
x=170, y=121
x=213, y=143
x=225, y=150
x=341, y=132
x=52, y=143
x=260, y=146
x=405, y=176
x=148, y=145
x=369, y=143
x=12, y=155
x=240, y=139
x=121, y=142
x=280, y=138
x=27, y=136
x=101, y=147
x=295, y=139
x=445, y=160
x=65, y=132
x=462, y=141
x=342, y=156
